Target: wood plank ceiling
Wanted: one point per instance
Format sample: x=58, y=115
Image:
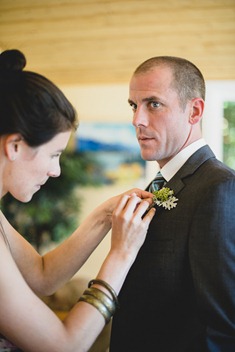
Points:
x=102, y=41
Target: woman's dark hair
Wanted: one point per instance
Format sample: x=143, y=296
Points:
x=30, y=104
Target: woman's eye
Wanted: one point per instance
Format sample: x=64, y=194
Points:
x=56, y=155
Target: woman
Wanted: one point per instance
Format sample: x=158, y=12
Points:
x=36, y=123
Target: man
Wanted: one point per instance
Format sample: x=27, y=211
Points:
x=179, y=296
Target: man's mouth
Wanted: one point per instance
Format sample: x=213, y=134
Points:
x=144, y=138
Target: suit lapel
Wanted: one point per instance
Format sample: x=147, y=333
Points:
x=190, y=166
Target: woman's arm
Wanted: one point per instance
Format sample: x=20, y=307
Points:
x=45, y=274
x=31, y=325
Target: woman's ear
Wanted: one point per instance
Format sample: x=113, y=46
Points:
x=12, y=142
x=197, y=109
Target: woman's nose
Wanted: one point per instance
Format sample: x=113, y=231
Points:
x=55, y=172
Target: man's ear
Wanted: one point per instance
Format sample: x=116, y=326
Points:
x=196, y=112
x=12, y=145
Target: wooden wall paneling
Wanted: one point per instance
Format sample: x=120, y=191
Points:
x=102, y=41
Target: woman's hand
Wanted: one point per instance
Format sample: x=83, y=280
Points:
x=139, y=193
x=130, y=223
x=110, y=204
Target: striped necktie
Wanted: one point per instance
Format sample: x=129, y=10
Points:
x=157, y=183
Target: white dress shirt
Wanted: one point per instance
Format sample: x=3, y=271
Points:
x=170, y=169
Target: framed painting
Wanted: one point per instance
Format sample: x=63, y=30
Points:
x=114, y=149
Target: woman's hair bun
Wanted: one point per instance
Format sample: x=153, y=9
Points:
x=12, y=60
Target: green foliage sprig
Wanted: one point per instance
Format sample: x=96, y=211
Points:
x=165, y=198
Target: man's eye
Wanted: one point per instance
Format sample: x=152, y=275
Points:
x=133, y=106
x=155, y=104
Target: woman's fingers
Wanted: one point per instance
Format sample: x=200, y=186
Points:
x=130, y=223
x=128, y=204
x=132, y=208
x=132, y=203
x=140, y=193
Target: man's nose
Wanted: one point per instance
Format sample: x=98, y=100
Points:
x=140, y=117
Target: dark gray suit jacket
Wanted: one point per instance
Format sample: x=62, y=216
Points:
x=179, y=295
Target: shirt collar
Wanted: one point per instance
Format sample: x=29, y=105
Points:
x=170, y=169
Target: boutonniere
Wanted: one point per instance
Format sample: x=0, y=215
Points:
x=165, y=198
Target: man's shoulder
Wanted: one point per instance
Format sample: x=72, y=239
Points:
x=205, y=158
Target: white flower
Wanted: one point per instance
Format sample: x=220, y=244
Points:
x=165, y=198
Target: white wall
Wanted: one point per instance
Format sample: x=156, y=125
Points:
x=109, y=103
x=217, y=93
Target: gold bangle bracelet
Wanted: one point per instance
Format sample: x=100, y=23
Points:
x=101, y=296
x=107, y=286
x=98, y=305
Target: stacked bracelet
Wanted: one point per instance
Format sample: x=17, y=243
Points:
x=108, y=288
x=98, y=305
x=101, y=296
x=100, y=300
